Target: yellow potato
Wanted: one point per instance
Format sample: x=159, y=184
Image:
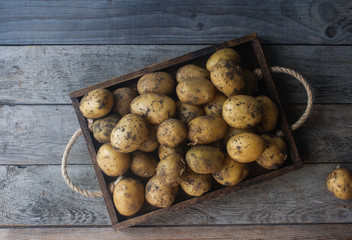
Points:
x=163, y=151
x=151, y=143
x=191, y=71
x=171, y=133
x=129, y=134
x=231, y=131
x=206, y=129
x=170, y=170
x=204, y=159
x=102, y=128
x=223, y=54
x=339, y=182
x=122, y=100
x=246, y=147
x=155, y=107
x=96, y=103
x=215, y=106
x=143, y=164
x=195, y=184
x=250, y=82
x=270, y=115
x=274, y=154
x=231, y=172
x=157, y=82
x=186, y=112
x=228, y=78
x=195, y=91
x=111, y=162
x=128, y=196
x=242, y=111
x=159, y=195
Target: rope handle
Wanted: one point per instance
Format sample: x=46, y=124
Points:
x=256, y=71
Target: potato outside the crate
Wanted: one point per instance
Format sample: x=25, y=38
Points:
x=270, y=115
x=122, y=100
x=196, y=91
x=157, y=82
x=170, y=170
x=159, y=195
x=143, y=164
x=195, y=184
x=151, y=143
x=171, y=133
x=191, y=71
x=164, y=151
x=339, y=182
x=274, y=154
x=223, y=54
x=186, y=112
x=96, y=103
x=102, y=128
x=204, y=159
x=214, y=107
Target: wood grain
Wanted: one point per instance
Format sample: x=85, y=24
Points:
x=37, y=196
x=184, y=22
x=272, y=232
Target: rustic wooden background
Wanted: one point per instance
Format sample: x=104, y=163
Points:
x=51, y=48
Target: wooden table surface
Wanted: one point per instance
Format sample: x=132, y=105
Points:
x=51, y=48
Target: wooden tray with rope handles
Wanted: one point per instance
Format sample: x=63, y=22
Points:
x=252, y=57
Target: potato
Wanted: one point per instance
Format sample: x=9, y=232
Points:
x=339, y=182
x=191, y=71
x=250, y=80
x=206, y=129
x=275, y=153
x=111, y=162
x=270, y=115
x=96, y=103
x=128, y=196
x=143, y=164
x=195, y=184
x=157, y=82
x=195, y=91
x=231, y=172
x=122, y=100
x=159, y=195
x=171, y=133
x=214, y=107
x=223, y=54
x=171, y=169
x=231, y=131
x=151, y=143
x=164, y=151
x=129, y=134
x=102, y=127
x=155, y=107
x=204, y=159
x=246, y=147
x=227, y=78
x=242, y=111
x=186, y=112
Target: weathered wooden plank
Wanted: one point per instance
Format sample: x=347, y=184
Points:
x=156, y=22
x=311, y=231
x=38, y=134
x=37, y=196
x=47, y=74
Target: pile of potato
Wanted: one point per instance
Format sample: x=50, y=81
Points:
x=205, y=125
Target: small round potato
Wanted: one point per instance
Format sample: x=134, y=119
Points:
x=246, y=147
x=170, y=170
x=214, y=107
x=111, y=162
x=242, y=111
x=97, y=103
x=122, y=100
x=274, y=154
x=231, y=172
x=143, y=164
x=186, y=112
x=223, y=54
x=171, y=133
x=102, y=128
x=227, y=78
x=270, y=115
x=250, y=82
x=151, y=143
x=157, y=82
x=128, y=196
x=159, y=195
x=191, y=71
x=155, y=107
x=164, y=151
x=234, y=131
x=129, y=134
x=195, y=184
x=204, y=159
x=339, y=182
x=195, y=91
x=206, y=129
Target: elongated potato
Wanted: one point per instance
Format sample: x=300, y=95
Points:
x=164, y=151
x=158, y=195
x=223, y=54
x=102, y=128
x=195, y=184
x=204, y=159
x=171, y=133
x=191, y=71
x=214, y=107
x=171, y=169
x=122, y=100
x=274, y=154
x=270, y=114
x=339, y=182
x=186, y=112
x=206, y=129
x=143, y=164
x=151, y=143
x=157, y=82
x=195, y=91
x=155, y=107
x=129, y=134
x=97, y=103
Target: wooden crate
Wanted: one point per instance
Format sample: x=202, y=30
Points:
x=251, y=56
